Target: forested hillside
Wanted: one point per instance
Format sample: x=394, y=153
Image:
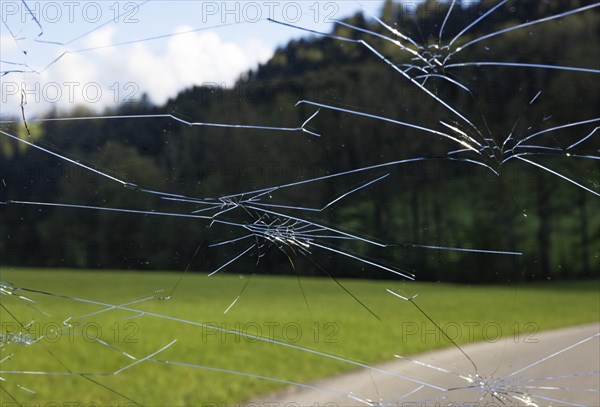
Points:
x=437, y=202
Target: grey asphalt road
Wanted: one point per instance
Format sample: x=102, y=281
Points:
x=563, y=356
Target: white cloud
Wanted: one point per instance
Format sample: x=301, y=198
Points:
x=70, y=82
x=7, y=43
x=160, y=70
x=192, y=59
x=101, y=38
x=256, y=51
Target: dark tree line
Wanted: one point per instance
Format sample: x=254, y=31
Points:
x=439, y=203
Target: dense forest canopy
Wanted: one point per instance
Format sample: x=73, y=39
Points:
x=439, y=203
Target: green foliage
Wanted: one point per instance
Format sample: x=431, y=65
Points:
x=440, y=203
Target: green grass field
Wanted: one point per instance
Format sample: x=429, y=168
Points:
x=270, y=307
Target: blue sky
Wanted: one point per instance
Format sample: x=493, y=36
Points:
x=219, y=40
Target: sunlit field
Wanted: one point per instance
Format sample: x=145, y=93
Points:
x=325, y=318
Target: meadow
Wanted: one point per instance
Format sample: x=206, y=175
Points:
x=307, y=312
